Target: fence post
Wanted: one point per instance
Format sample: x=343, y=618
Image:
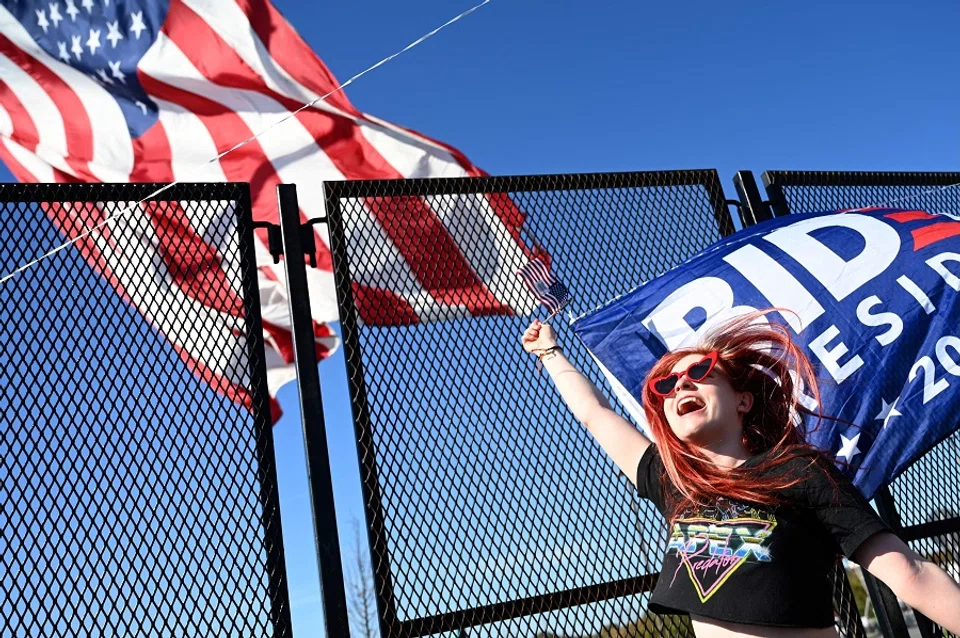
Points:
x=753, y=209
x=778, y=201
x=324, y=517
x=267, y=458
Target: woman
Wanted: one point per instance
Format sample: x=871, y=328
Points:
x=758, y=517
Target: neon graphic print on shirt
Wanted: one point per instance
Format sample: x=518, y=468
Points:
x=712, y=543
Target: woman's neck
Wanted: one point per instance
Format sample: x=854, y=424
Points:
x=726, y=454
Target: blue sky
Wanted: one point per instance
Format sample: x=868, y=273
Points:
x=530, y=86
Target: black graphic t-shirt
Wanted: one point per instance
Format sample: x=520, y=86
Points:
x=738, y=562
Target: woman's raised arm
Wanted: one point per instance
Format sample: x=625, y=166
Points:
x=617, y=436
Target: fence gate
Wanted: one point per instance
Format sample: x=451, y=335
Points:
x=137, y=498
x=923, y=512
x=491, y=511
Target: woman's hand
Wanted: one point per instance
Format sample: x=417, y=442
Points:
x=538, y=336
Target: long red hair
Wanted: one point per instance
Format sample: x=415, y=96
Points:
x=762, y=359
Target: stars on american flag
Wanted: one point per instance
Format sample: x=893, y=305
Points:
x=42, y=20
x=77, y=48
x=116, y=72
x=137, y=25
x=55, y=14
x=104, y=78
x=72, y=10
x=93, y=36
x=114, y=34
x=93, y=42
x=103, y=40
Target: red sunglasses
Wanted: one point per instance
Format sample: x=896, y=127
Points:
x=698, y=371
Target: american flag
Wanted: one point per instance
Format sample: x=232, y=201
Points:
x=148, y=91
x=548, y=290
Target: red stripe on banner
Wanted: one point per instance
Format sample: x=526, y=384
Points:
x=508, y=212
x=286, y=45
x=931, y=234
x=468, y=166
x=433, y=255
x=246, y=164
x=510, y=215
x=378, y=307
x=152, y=157
x=908, y=216
x=88, y=213
x=282, y=339
x=446, y=275
x=18, y=169
x=24, y=130
x=322, y=331
x=76, y=123
x=194, y=265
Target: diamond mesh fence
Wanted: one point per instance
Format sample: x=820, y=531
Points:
x=138, y=493
x=925, y=496
x=490, y=510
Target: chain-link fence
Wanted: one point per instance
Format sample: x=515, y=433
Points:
x=924, y=505
x=138, y=493
x=491, y=511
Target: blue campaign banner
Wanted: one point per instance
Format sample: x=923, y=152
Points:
x=875, y=294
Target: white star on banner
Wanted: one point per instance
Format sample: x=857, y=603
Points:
x=116, y=72
x=138, y=26
x=849, y=448
x=88, y=5
x=72, y=10
x=62, y=48
x=887, y=411
x=55, y=14
x=76, y=48
x=102, y=73
x=114, y=34
x=94, y=40
x=143, y=107
x=42, y=20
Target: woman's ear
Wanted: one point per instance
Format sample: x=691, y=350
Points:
x=744, y=402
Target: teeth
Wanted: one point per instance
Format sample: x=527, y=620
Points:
x=682, y=406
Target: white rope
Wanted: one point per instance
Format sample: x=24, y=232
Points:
x=135, y=206
x=901, y=199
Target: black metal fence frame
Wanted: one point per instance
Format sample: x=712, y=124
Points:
x=239, y=193
x=889, y=616
x=390, y=624
x=458, y=620
x=752, y=208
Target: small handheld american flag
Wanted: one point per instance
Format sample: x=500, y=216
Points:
x=545, y=287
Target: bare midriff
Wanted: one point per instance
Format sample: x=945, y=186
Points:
x=708, y=628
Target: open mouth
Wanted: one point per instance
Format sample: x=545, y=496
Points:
x=688, y=405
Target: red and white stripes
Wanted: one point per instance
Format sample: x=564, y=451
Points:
x=221, y=71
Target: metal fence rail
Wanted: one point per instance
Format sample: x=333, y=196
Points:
x=134, y=499
x=489, y=508
x=923, y=511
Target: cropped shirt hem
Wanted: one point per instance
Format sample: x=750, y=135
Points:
x=658, y=608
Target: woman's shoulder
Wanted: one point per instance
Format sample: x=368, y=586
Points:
x=808, y=466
